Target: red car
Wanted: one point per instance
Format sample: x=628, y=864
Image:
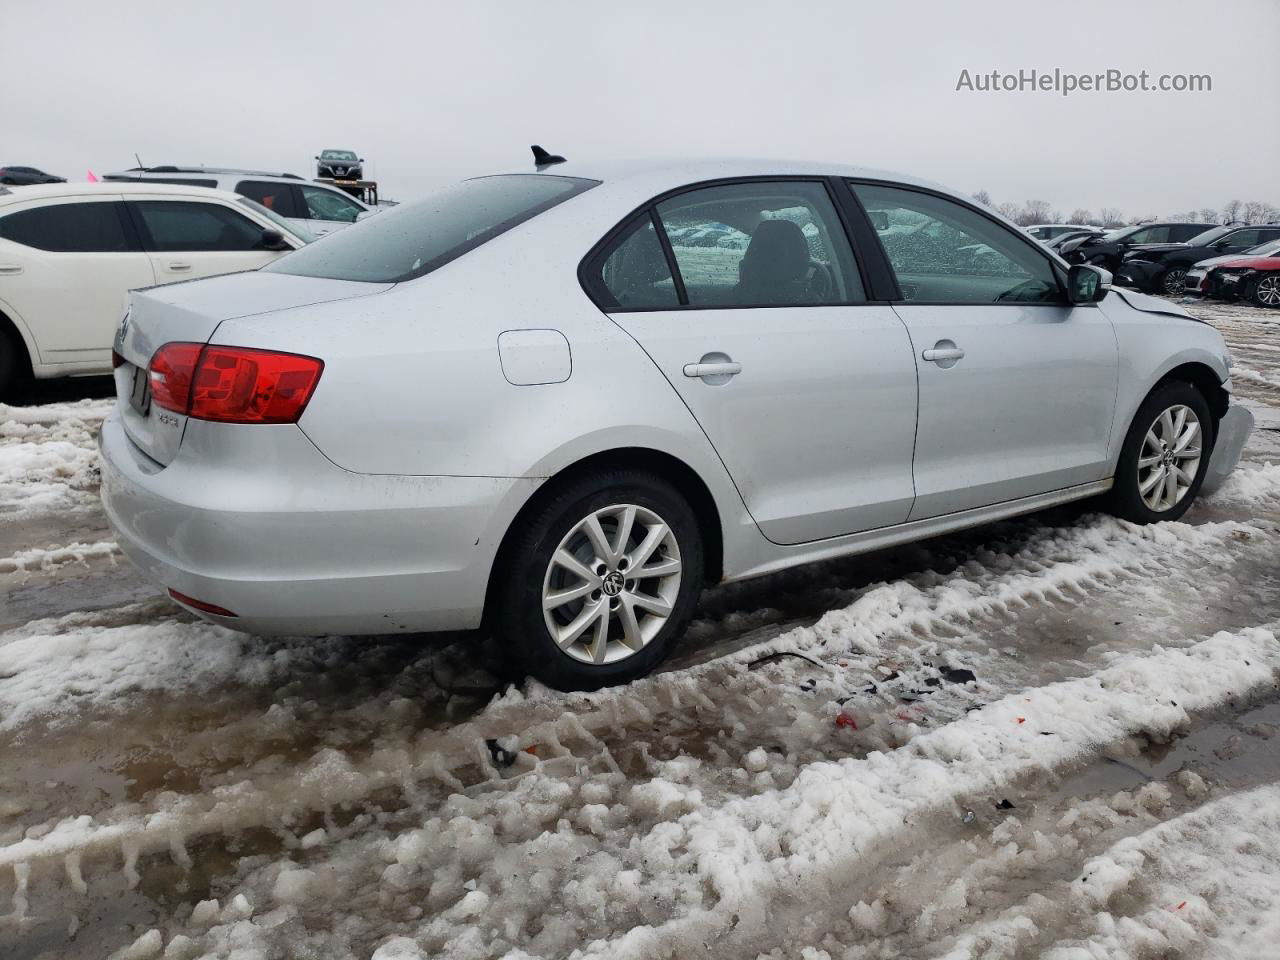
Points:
x=1255, y=279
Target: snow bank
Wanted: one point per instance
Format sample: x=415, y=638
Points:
x=38, y=558
x=52, y=669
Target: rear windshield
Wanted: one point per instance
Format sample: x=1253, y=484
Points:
x=415, y=238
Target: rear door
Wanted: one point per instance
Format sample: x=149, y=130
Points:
x=806, y=390
x=1017, y=386
x=188, y=238
x=66, y=267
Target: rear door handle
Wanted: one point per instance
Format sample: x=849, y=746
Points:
x=178, y=266
x=727, y=368
x=10, y=269
x=944, y=351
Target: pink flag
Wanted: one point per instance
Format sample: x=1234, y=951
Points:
x=92, y=178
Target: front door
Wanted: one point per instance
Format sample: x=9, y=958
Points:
x=807, y=392
x=1017, y=387
x=196, y=238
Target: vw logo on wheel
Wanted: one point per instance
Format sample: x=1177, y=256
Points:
x=612, y=584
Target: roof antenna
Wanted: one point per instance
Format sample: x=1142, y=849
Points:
x=139, y=159
x=543, y=159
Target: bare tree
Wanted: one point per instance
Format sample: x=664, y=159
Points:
x=1080, y=215
x=1231, y=212
x=983, y=198
x=1209, y=215
x=1010, y=211
x=1034, y=211
x=1111, y=217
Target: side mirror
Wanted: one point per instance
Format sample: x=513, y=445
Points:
x=879, y=220
x=315, y=158
x=1087, y=284
x=273, y=240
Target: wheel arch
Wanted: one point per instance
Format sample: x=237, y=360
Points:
x=16, y=335
x=668, y=466
x=1205, y=379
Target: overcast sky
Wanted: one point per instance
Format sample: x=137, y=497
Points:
x=432, y=92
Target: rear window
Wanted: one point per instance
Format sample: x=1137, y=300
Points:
x=88, y=227
x=413, y=239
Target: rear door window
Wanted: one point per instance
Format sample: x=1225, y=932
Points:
x=280, y=198
x=89, y=227
x=413, y=239
x=761, y=244
x=171, y=226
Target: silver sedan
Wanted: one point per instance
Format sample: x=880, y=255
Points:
x=559, y=402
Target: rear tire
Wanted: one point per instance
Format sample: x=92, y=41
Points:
x=10, y=365
x=1165, y=455
x=1264, y=291
x=570, y=569
x=1172, y=282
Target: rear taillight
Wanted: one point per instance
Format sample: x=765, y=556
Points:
x=233, y=384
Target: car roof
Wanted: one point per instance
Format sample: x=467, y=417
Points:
x=660, y=175
x=111, y=188
x=166, y=169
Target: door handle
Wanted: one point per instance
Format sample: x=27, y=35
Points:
x=10, y=269
x=179, y=267
x=704, y=370
x=943, y=352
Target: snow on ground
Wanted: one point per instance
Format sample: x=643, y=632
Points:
x=1054, y=736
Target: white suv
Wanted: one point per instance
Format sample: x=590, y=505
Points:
x=314, y=207
x=71, y=252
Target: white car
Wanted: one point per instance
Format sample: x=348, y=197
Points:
x=71, y=252
x=315, y=208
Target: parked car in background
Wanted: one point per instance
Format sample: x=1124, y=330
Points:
x=1255, y=280
x=339, y=165
x=317, y=208
x=700, y=372
x=1076, y=234
x=1048, y=231
x=1200, y=280
x=70, y=254
x=1162, y=267
x=1107, y=250
x=23, y=176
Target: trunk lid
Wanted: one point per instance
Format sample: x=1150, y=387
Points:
x=192, y=312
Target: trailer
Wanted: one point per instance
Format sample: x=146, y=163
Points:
x=364, y=190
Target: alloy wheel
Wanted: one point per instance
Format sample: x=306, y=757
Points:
x=1269, y=291
x=611, y=584
x=1173, y=281
x=1170, y=458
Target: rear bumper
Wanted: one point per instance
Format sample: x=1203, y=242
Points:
x=1233, y=433
x=257, y=521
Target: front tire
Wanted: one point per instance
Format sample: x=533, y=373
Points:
x=601, y=580
x=1165, y=455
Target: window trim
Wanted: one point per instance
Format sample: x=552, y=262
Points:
x=590, y=267
x=1023, y=237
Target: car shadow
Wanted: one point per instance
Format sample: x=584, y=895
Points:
x=30, y=393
